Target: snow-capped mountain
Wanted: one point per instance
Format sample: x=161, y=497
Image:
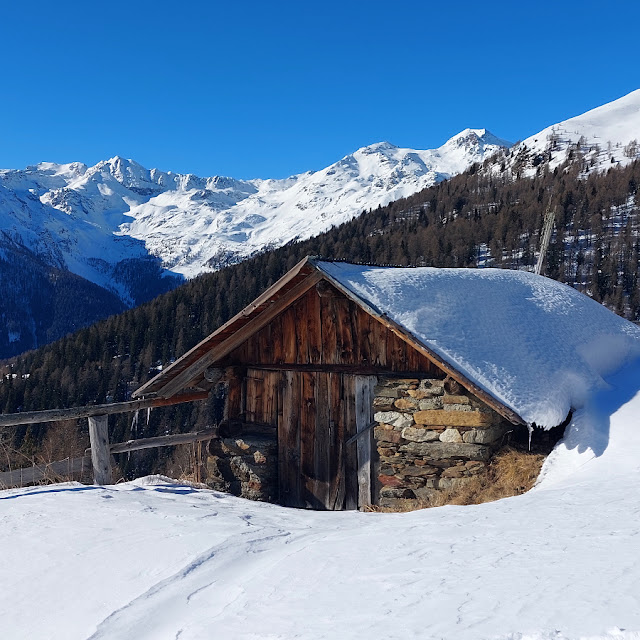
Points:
x=87, y=219
x=607, y=136
x=136, y=233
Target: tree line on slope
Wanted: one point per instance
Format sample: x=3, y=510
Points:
x=476, y=218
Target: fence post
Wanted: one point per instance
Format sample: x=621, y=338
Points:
x=100, y=452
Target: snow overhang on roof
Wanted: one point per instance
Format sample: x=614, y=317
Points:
x=535, y=345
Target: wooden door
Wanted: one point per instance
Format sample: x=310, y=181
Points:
x=319, y=413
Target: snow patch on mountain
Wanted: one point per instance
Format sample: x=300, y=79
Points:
x=608, y=136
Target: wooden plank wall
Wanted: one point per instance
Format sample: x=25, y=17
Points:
x=364, y=393
x=329, y=330
x=314, y=420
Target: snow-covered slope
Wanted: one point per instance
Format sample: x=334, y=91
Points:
x=153, y=559
x=608, y=135
x=87, y=219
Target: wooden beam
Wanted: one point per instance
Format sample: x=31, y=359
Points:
x=218, y=352
x=100, y=456
x=51, y=415
x=50, y=471
x=163, y=441
x=355, y=369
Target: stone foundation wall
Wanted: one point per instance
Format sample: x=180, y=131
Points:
x=245, y=466
x=431, y=436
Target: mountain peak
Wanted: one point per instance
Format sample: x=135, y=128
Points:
x=475, y=137
x=377, y=147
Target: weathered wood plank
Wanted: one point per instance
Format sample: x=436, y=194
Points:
x=364, y=338
x=163, y=441
x=355, y=313
x=252, y=349
x=302, y=330
x=413, y=359
x=288, y=320
x=314, y=327
x=307, y=440
x=337, y=443
x=100, y=452
x=393, y=353
x=344, y=333
x=329, y=332
x=364, y=386
x=266, y=343
x=233, y=405
x=379, y=337
x=51, y=415
x=51, y=471
x=248, y=398
x=271, y=392
x=278, y=339
x=348, y=390
x=322, y=445
x=255, y=400
x=289, y=441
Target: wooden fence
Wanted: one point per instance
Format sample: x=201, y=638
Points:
x=99, y=456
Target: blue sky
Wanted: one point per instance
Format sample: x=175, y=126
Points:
x=259, y=89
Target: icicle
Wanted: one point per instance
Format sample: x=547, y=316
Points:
x=530, y=429
x=134, y=423
x=148, y=415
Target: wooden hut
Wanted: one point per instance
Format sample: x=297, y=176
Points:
x=332, y=404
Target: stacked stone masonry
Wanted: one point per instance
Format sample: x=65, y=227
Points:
x=431, y=436
x=244, y=466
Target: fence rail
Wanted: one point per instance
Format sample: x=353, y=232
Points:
x=101, y=449
x=50, y=471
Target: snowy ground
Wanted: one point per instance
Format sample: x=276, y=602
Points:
x=156, y=560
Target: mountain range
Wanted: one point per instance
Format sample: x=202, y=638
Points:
x=79, y=242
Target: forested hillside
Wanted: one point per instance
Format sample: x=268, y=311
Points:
x=475, y=219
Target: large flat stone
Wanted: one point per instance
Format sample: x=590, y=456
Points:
x=456, y=400
x=387, y=392
x=417, y=434
x=453, y=418
x=443, y=450
x=394, y=418
x=484, y=436
x=406, y=404
x=420, y=394
x=430, y=403
x=386, y=435
x=450, y=435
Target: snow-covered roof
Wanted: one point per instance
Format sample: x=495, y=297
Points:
x=536, y=345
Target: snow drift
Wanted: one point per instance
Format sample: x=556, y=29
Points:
x=154, y=559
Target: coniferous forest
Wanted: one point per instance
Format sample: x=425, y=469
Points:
x=477, y=219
